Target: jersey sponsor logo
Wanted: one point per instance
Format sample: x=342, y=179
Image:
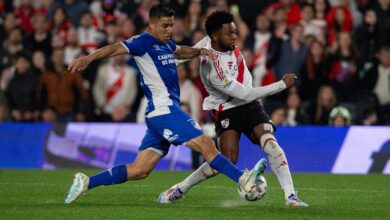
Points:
x=195, y=124
x=166, y=59
x=225, y=123
x=168, y=134
x=230, y=63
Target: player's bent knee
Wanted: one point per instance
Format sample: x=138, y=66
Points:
x=232, y=157
x=270, y=145
x=139, y=173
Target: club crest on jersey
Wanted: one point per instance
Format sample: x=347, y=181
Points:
x=225, y=123
x=195, y=124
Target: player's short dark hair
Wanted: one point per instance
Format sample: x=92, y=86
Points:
x=216, y=20
x=161, y=10
x=22, y=55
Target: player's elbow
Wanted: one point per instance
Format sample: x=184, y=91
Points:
x=246, y=97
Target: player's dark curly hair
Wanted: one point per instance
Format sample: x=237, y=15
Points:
x=216, y=20
x=161, y=10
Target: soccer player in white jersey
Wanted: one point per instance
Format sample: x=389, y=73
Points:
x=167, y=124
x=233, y=101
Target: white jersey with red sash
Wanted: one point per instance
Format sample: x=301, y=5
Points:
x=217, y=74
x=228, y=80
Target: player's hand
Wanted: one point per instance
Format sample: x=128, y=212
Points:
x=208, y=53
x=78, y=65
x=289, y=79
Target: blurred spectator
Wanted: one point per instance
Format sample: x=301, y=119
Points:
x=369, y=116
x=112, y=32
x=293, y=10
x=10, y=22
x=242, y=27
x=179, y=35
x=295, y=114
x=377, y=80
x=61, y=91
x=193, y=18
x=39, y=62
x=40, y=39
x=89, y=36
x=141, y=16
x=5, y=7
x=367, y=38
x=72, y=49
x=339, y=20
x=292, y=54
x=128, y=28
x=4, y=111
x=314, y=72
x=105, y=11
x=21, y=89
x=25, y=12
x=57, y=42
x=278, y=115
x=189, y=93
x=311, y=26
x=10, y=47
x=276, y=44
x=382, y=9
x=258, y=41
x=59, y=23
x=351, y=6
x=342, y=62
x=193, y=69
x=114, y=90
x=321, y=9
x=339, y=117
x=73, y=8
x=319, y=111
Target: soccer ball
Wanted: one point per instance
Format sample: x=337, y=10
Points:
x=259, y=189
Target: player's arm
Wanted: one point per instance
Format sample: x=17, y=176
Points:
x=233, y=88
x=201, y=44
x=185, y=52
x=107, y=51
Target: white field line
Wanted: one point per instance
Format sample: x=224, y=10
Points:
x=217, y=187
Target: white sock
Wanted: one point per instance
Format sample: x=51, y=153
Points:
x=202, y=173
x=278, y=162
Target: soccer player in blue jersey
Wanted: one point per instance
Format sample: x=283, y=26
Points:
x=167, y=124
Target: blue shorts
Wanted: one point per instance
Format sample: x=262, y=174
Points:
x=176, y=128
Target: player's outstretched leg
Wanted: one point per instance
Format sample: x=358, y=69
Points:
x=78, y=187
x=279, y=166
x=142, y=166
x=179, y=190
x=218, y=162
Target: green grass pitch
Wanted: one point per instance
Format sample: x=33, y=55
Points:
x=33, y=194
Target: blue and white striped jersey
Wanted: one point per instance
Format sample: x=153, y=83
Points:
x=158, y=75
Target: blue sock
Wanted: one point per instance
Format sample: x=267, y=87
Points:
x=223, y=165
x=111, y=176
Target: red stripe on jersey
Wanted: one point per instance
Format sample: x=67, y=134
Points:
x=240, y=63
x=218, y=69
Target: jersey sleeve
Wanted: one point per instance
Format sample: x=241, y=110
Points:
x=231, y=87
x=201, y=44
x=173, y=46
x=135, y=45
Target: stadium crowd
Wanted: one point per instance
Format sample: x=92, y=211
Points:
x=340, y=50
